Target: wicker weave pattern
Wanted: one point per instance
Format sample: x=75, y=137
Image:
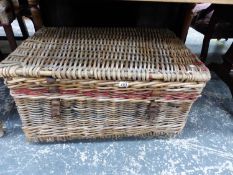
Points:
x=105, y=54
x=100, y=109
x=103, y=82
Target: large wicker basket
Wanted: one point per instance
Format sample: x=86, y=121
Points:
x=79, y=83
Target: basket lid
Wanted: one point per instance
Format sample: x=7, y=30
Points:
x=142, y=54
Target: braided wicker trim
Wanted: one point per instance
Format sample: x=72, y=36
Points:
x=98, y=90
x=131, y=54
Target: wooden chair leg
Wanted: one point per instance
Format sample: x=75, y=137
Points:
x=205, y=48
x=37, y=21
x=23, y=27
x=187, y=21
x=10, y=36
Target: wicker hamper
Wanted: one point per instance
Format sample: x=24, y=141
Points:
x=79, y=83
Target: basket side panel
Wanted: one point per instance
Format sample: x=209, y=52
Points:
x=58, y=110
x=84, y=119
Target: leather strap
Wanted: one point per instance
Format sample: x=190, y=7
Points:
x=55, y=103
x=55, y=108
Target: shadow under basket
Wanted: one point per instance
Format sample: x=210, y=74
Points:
x=6, y=101
x=86, y=83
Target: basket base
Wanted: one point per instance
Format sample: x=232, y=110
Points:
x=150, y=135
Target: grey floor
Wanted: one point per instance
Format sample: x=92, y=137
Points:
x=204, y=147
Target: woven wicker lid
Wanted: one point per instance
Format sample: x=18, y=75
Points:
x=142, y=54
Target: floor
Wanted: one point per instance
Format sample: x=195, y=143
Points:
x=204, y=146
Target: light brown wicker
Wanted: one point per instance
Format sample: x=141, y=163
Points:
x=79, y=83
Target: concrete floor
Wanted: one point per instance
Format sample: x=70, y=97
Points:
x=204, y=147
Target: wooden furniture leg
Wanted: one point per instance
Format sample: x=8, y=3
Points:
x=208, y=35
x=187, y=21
x=205, y=48
x=37, y=21
x=223, y=70
x=10, y=36
x=22, y=26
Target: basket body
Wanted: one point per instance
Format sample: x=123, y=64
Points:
x=102, y=109
x=79, y=83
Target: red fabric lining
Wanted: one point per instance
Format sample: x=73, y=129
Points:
x=114, y=94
